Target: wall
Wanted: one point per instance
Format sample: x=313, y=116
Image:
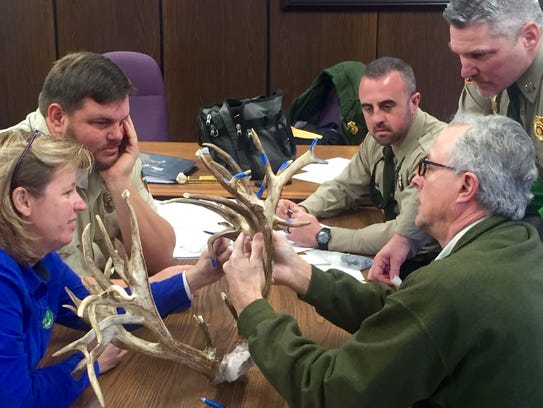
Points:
x=211, y=49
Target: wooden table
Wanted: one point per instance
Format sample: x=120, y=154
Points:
x=297, y=190
x=143, y=381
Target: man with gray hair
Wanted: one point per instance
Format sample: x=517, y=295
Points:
x=499, y=46
x=463, y=331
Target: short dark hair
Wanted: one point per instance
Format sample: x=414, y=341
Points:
x=383, y=66
x=82, y=75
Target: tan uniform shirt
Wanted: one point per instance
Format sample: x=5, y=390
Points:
x=350, y=191
x=98, y=201
x=531, y=104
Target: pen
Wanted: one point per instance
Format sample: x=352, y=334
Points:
x=211, y=403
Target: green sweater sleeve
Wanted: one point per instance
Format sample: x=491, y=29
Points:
x=363, y=372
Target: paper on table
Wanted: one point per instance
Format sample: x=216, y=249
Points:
x=348, y=263
x=320, y=173
x=189, y=222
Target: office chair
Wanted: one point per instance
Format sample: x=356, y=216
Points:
x=148, y=104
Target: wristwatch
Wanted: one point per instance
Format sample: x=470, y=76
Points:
x=323, y=238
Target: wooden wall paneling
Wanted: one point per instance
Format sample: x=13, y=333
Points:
x=421, y=38
x=212, y=50
x=109, y=25
x=28, y=48
x=303, y=43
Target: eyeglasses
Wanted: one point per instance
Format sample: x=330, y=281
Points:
x=20, y=158
x=424, y=163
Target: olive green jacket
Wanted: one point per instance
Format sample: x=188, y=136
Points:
x=465, y=331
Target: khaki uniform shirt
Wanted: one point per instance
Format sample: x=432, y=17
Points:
x=350, y=191
x=531, y=104
x=99, y=202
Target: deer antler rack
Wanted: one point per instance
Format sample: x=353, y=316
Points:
x=100, y=307
x=249, y=212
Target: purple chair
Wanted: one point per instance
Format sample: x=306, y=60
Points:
x=148, y=104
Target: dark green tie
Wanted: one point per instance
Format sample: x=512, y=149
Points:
x=513, y=109
x=388, y=183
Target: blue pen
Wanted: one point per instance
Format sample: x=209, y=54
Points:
x=211, y=403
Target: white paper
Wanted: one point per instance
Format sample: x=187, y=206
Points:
x=322, y=172
x=190, y=222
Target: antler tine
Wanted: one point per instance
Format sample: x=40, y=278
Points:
x=101, y=279
x=234, y=213
x=100, y=309
x=277, y=182
x=223, y=154
x=218, y=170
x=263, y=155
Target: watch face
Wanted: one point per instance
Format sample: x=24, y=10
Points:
x=323, y=236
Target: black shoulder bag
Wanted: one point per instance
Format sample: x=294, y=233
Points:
x=228, y=126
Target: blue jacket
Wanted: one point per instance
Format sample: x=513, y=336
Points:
x=31, y=302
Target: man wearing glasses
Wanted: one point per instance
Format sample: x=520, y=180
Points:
x=463, y=331
x=400, y=133
x=85, y=96
x=499, y=46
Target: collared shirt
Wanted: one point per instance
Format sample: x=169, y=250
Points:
x=99, y=202
x=447, y=249
x=350, y=191
x=531, y=103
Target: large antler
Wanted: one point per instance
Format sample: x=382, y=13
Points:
x=100, y=309
x=249, y=212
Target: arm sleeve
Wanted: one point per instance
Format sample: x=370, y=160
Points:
x=348, y=191
x=23, y=341
x=391, y=344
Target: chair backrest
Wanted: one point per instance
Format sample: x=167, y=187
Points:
x=148, y=104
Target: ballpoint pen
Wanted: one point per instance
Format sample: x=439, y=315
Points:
x=211, y=403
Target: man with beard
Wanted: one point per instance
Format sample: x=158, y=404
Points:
x=464, y=331
x=85, y=95
x=390, y=104
x=499, y=46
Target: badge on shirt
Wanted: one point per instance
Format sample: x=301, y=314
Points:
x=109, y=205
x=538, y=127
x=47, y=320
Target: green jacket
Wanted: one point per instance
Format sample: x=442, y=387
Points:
x=344, y=77
x=464, y=331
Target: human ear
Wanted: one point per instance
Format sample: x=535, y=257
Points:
x=56, y=119
x=469, y=188
x=530, y=35
x=414, y=102
x=21, y=202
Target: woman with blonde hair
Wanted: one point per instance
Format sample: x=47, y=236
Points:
x=39, y=203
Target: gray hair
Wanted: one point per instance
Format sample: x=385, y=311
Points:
x=502, y=156
x=383, y=66
x=82, y=75
x=505, y=17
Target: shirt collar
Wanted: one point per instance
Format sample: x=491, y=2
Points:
x=451, y=244
x=530, y=82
